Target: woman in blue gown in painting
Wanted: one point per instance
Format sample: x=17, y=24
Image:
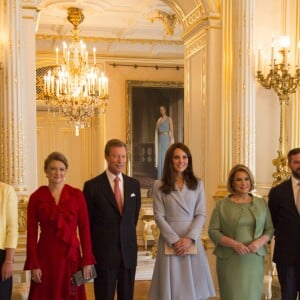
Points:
x=163, y=138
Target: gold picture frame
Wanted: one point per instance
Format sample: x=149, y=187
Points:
x=144, y=99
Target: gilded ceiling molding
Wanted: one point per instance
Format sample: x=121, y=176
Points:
x=203, y=9
x=169, y=21
x=109, y=40
x=195, y=46
x=176, y=8
x=196, y=18
x=47, y=58
x=200, y=17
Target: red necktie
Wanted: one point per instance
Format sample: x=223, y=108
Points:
x=117, y=193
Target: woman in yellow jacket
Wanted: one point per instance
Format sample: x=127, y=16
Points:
x=240, y=226
x=8, y=237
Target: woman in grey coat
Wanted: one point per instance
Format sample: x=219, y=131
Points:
x=179, y=210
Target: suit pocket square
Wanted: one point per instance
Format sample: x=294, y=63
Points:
x=132, y=195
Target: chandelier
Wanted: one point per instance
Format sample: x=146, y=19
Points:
x=74, y=88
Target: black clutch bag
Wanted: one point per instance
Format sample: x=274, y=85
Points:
x=78, y=279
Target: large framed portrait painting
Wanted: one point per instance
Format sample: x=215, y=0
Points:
x=155, y=119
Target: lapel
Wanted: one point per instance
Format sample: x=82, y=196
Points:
x=108, y=192
x=127, y=192
x=290, y=199
x=179, y=199
x=256, y=210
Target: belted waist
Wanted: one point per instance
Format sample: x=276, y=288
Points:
x=163, y=132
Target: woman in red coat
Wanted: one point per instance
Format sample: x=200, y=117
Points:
x=54, y=251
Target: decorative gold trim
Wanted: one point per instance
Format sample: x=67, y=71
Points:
x=156, y=66
x=52, y=37
x=197, y=14
x=75, y=16
x=177, y=9
x=22, y=214
x=200, y=18
x=28, y=18
x=31, y=7
x=195, y=46
x=169, y=20
x=195, y=18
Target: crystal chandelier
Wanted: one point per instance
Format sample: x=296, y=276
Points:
x=74, y=88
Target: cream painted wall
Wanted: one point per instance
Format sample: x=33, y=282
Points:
x=57, y=135
x=267, y=104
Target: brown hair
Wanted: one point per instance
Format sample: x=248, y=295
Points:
x=293, y=152
x=113, y=143
x=233, y=171
x=55, y=156
x=169, y=175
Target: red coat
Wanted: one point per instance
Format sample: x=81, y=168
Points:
x=56, y=249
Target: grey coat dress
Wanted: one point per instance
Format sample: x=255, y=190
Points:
x=180, y=214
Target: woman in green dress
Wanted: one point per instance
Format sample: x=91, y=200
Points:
x=240, y=226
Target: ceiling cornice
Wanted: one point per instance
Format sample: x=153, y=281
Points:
x=109, y=40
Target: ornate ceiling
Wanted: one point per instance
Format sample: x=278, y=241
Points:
x=117, y=28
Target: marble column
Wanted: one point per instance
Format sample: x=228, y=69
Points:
x=18, y=109
x=243, y=83
x=238, y=89
x=28, y=89
x=12, y=134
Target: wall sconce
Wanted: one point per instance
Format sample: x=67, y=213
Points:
x=284, y=84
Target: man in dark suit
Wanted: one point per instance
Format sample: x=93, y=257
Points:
x=113, y=225
x=286, y=220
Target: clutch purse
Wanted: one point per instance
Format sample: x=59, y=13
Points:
x=170, y=250
x=78, y=279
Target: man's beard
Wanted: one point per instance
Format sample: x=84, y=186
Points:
x=296, y=173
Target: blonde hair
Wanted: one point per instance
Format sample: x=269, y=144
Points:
x=233, y=171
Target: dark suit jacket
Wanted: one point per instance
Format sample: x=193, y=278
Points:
x=286, y=221
x=113, y=236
